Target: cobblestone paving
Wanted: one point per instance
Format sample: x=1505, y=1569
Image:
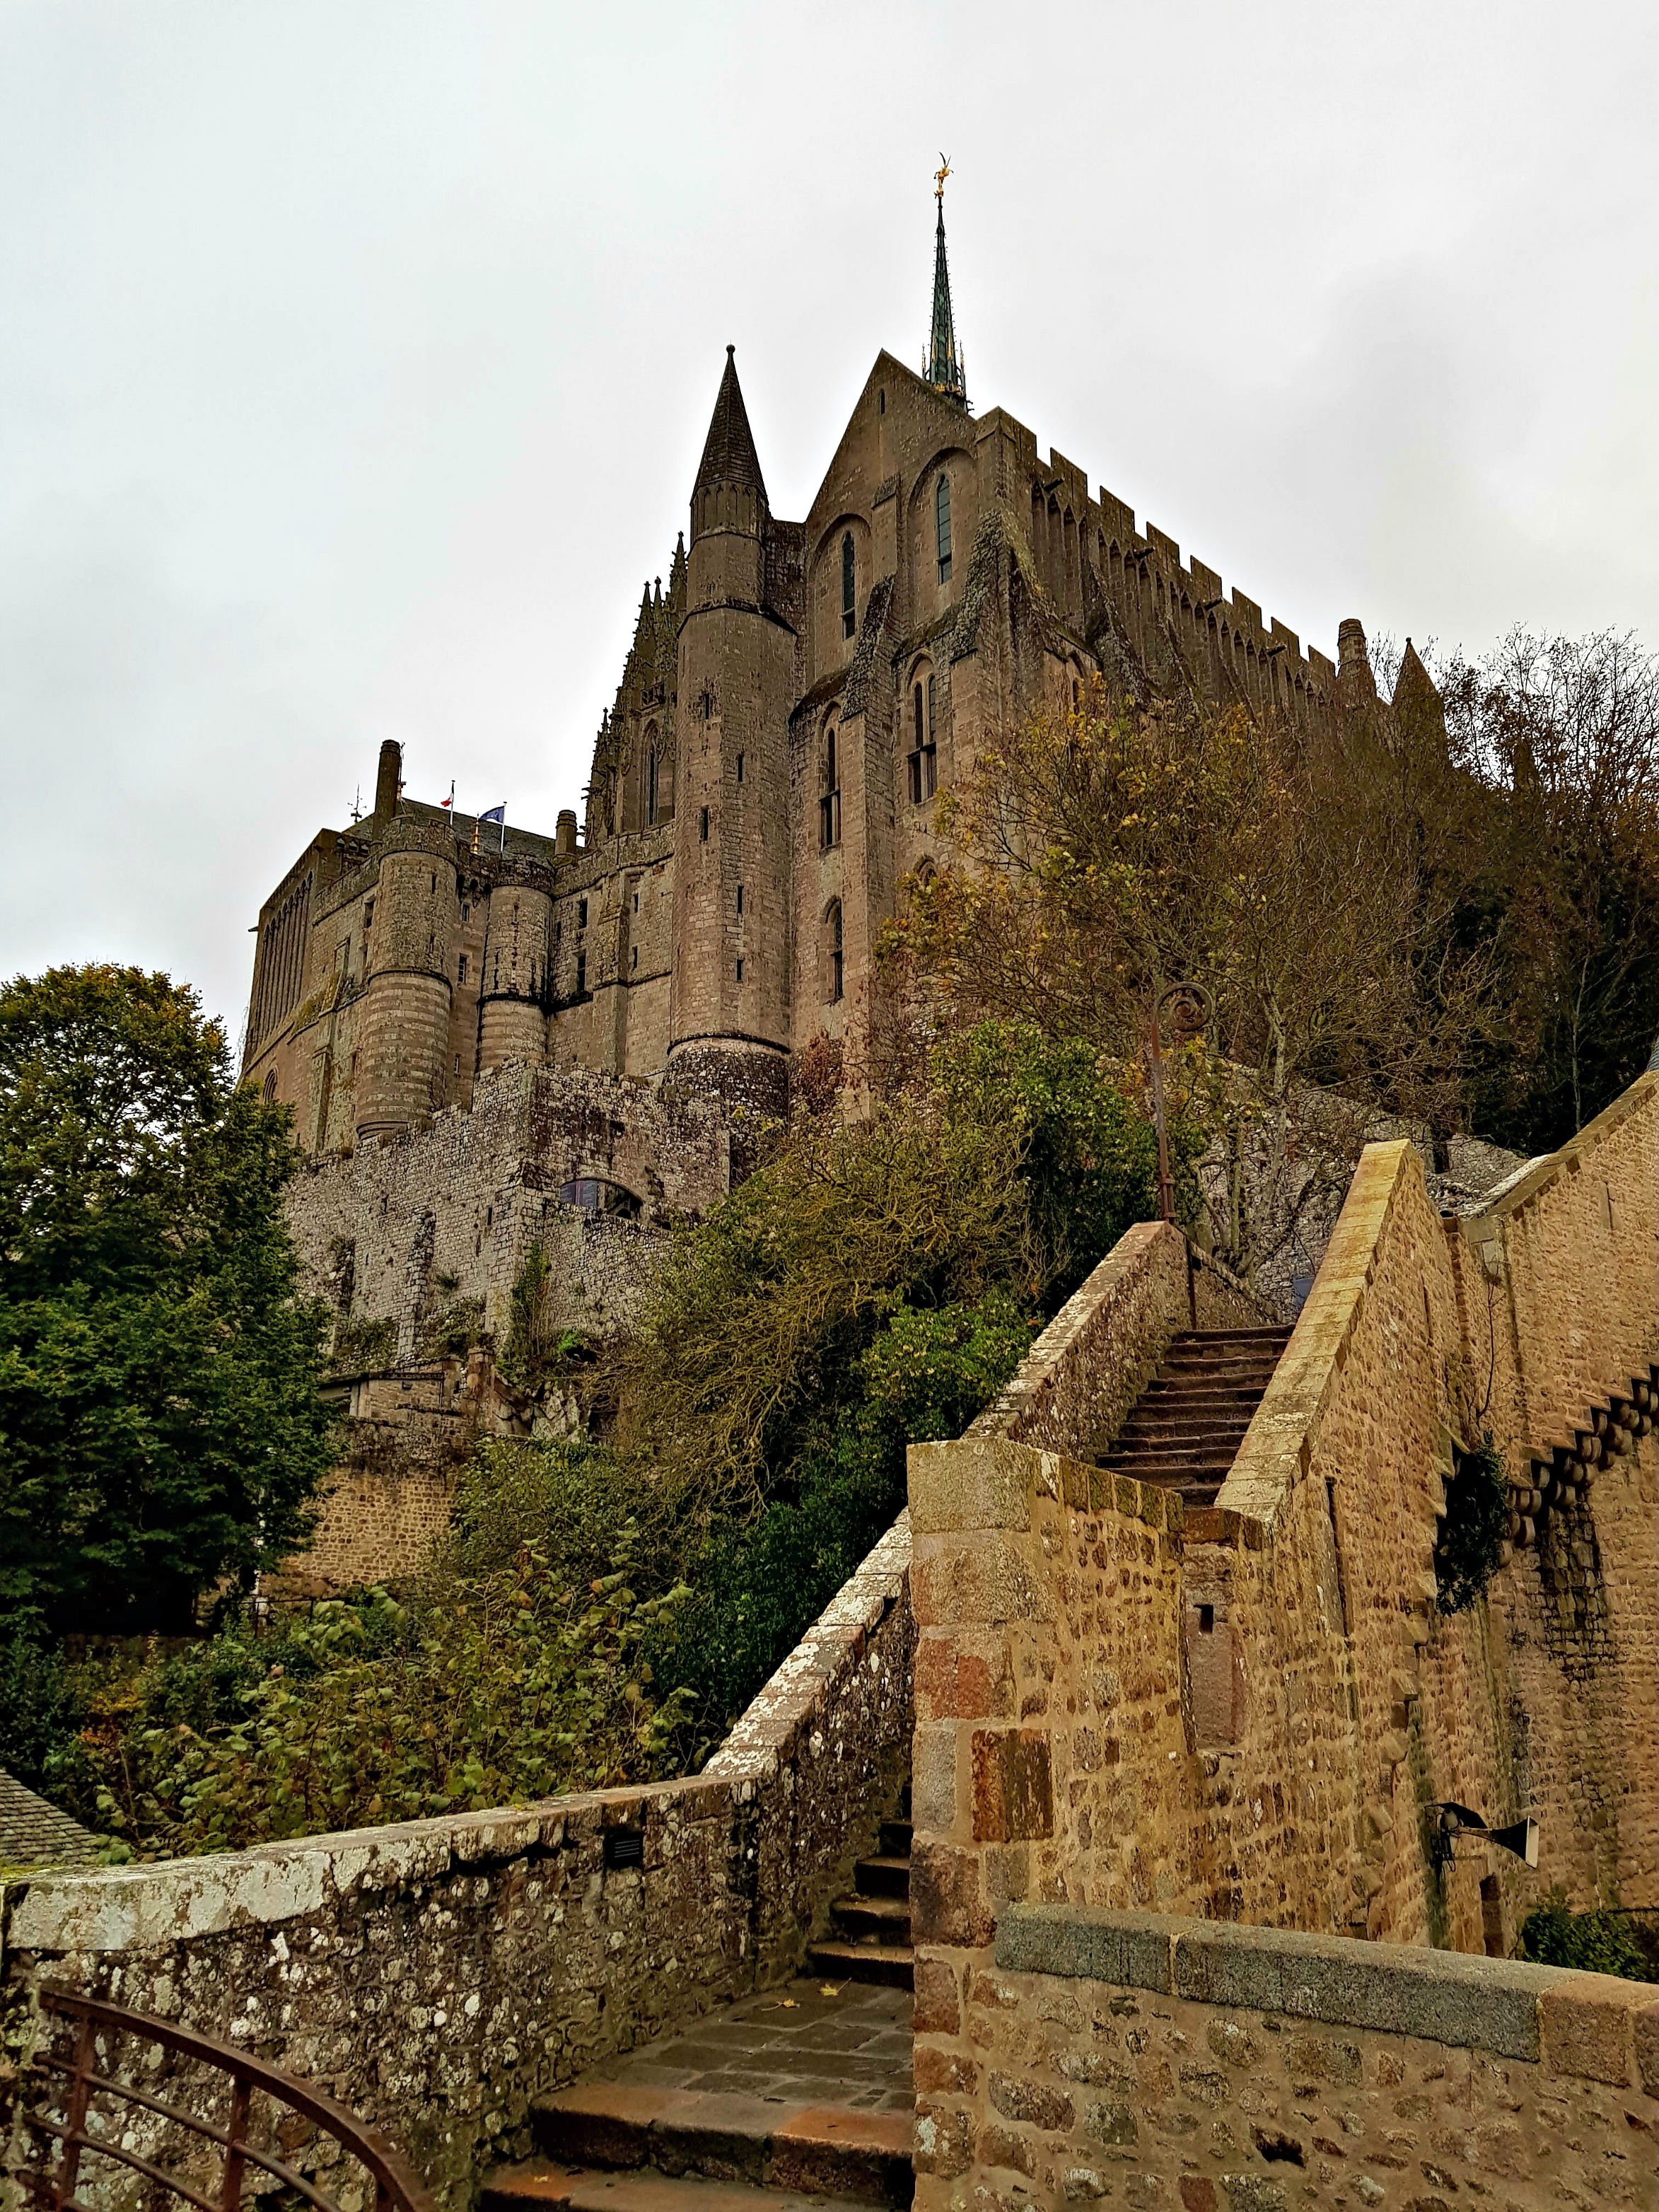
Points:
x=805, y=2042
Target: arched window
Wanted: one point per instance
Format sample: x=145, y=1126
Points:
x=942, y=527
x=830, y=795
x=923, y=758
x=270, y=1088
x=651, y=787
x=834, y=959
x=850, y=586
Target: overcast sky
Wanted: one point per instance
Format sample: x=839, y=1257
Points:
x=356, y=358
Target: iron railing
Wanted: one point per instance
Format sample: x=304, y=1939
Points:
x=82, y=2084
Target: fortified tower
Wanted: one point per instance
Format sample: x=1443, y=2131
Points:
x=739, y=677
x=409, y=923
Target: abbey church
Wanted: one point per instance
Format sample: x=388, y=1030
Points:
x=492, y=1039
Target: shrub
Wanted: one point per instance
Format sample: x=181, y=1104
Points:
x=1604, y=1943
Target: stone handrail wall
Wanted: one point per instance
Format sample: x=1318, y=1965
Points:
x=1250, y=1711
x=1165, y=2061
x=438, y=1975
x=1103, y=1347
x=1565, y=1261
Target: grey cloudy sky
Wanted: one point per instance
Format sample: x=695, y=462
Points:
x=355, y=356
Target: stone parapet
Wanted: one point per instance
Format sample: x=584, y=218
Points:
x=1181, y=2063
x=439, y=1975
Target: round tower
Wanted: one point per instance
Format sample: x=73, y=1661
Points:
x=729, y=995
x=403, y=1030
x=511, y=1023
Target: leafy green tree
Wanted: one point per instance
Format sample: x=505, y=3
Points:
x=160, y=1426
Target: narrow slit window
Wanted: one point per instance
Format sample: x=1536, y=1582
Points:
x=581, y=973
x=739, y=768
x=703, y=826
x=740, y=967
x=834, y=964
x=849, y=584
x=739, y=898
x=942, y=527
x=651, y=787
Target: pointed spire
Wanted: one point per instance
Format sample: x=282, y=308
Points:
x=676, y=567
x=945, y=368
x=1417, y=710
x=729, y=457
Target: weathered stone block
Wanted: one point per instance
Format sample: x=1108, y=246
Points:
x=1013, y=1786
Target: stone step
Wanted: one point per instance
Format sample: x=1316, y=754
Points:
x=894, y=1964
x=888, y=1875
x=823, y=2150
x=879, y=1919
x=538, y=2186
x=1277, y=1333
x=896, y=1838
x=1149, y=1434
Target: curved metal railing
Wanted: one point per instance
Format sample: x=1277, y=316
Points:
x=84, y=2085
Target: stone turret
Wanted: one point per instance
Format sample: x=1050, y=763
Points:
x=404, y=1028
x=1354, y=678
x=511, y=1024
x=730, y=988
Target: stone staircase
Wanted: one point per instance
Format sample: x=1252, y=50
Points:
x=1185, y=1429
x=797, y=2096
x=871, y=1942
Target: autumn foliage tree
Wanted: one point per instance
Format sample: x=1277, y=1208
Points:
x=1103, y=855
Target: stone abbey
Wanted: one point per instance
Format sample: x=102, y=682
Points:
x=791, y=705
x=495, y=1041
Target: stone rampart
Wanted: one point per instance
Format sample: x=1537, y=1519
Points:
x=439, y=1975
x=1252, y=1711
x=1177, y=2066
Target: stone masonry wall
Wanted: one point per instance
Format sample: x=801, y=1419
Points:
x=1171, y=2065
x=439, y=1975
x=1251, y=1711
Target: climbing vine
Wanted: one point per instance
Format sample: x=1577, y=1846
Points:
x=1470, y=1548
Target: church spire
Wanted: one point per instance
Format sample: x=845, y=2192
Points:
x=943, y=369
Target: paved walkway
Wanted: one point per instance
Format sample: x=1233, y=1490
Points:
x=807, y=2042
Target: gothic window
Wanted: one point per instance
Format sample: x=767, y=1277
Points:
x=829, y=799
x=942, y=527
x=922, y=762
x=833, y=960
x=850, y=586
x=651, y=787
x=270, y=1088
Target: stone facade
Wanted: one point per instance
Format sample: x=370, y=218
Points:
x=792, y=707
x=438, y=1976
x=1172, y=2065
x=1251, y=1712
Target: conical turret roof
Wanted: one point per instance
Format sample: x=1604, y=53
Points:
x=728, y=452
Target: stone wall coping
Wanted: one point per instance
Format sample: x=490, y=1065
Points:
x=1280, y=1441
x=765, y=1735
x=147, y=1907
x=1140, y=1249
x=1574, y=2023
x=1531, y=1182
